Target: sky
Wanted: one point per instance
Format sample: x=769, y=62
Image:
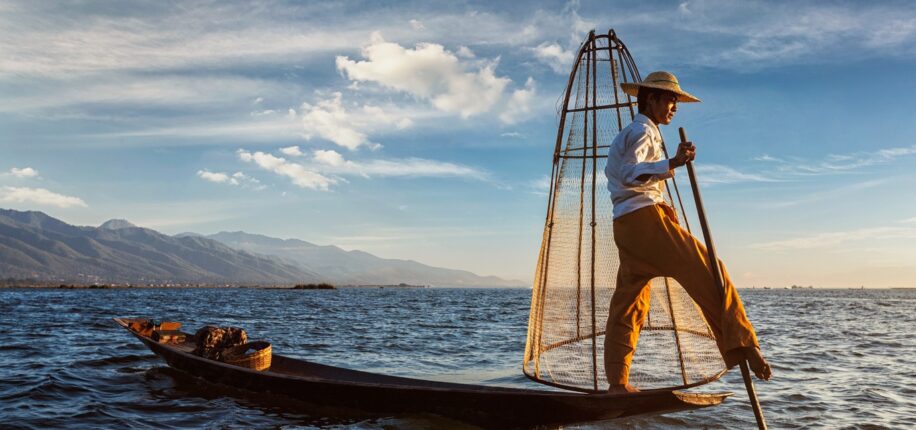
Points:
x=425, y=130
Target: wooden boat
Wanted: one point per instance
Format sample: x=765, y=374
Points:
x=486, y=406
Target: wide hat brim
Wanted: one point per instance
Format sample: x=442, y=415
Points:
x=632, y=88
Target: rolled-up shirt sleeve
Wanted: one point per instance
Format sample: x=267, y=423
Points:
x=634, y=162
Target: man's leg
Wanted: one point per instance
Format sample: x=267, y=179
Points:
x=630, y=302
x=686, y=260
x=629, y=307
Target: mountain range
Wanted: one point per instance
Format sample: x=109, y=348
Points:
x=354, y=267
x=36, y=246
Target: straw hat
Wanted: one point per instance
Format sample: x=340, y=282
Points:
x=663, y=81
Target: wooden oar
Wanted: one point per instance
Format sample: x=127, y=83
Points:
x=717, y=274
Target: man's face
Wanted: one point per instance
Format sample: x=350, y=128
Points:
x=663, y=107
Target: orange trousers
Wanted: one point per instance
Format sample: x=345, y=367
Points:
x=651, y=243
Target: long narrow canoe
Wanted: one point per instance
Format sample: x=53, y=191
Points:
x=487, y=406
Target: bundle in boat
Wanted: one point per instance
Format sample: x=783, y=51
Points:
x=230, y=345
x=577, y=264
x=212, y=340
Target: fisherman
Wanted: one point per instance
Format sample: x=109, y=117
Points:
x=651, y=242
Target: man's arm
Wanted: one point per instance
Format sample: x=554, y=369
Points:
x=635, y=170
x=685, y=152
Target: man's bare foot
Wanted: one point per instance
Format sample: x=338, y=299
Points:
x=621, y=389
x=757, y=363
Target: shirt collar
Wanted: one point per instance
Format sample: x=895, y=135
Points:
x=640, y=118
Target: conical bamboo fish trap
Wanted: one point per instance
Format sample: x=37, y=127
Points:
x=577, y=264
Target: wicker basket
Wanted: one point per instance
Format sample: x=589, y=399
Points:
x=252, y=355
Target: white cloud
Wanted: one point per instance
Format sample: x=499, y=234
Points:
x=268, y=128
x=333, y=162
x=684, y=8
x=894, y=31
x=838, y=163
x=718, y=174
x=519, y=104
x=552, y=54
x=84, y=42
x=793, y=168
x=299, y=175
x=80, y=61
x=576, y=27
x=829, y=194
x=215, y=91
x=292, y=151
x=327, y=167
x=38, y=196
x=413, y=167
x=331, y=158
x=465, y=52
x=766, y=157
x=891, y=153
x=428, y=72
x=247, y=181
x=330, y=120
x=237, y=178
x=404, y=123
x=767, y=35
x=74, y=39
x=217, y=177
x=513, y=134
x=349, y=125
x=78, y=40
x=25, y=172
x=832, y=239
x=540, y=186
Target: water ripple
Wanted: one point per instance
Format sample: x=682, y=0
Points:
x=842, y=358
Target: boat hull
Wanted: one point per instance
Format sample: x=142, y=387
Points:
x=495, y=407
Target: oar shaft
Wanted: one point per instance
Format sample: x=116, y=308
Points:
x=752, y=395
x=707, y=235
x=717, y=274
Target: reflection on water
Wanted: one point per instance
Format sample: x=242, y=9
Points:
x=841, y=357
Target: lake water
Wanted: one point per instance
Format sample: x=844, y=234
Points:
x=841, y=358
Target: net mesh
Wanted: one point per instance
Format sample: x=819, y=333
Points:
x=577, y=264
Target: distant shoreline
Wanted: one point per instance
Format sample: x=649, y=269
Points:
x=38, y=286
x=64, y=286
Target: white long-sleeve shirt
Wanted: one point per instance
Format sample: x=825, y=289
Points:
x=636, y=151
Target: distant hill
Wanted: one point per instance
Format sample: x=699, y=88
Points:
x=34, y=245
x=356, y=267
x=115, y=224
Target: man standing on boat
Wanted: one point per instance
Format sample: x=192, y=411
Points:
x=651, y=243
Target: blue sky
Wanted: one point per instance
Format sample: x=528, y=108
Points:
x=424, y=130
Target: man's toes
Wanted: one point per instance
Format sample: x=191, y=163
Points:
x=758, y=364
x=622, y=389
x=767, y=372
